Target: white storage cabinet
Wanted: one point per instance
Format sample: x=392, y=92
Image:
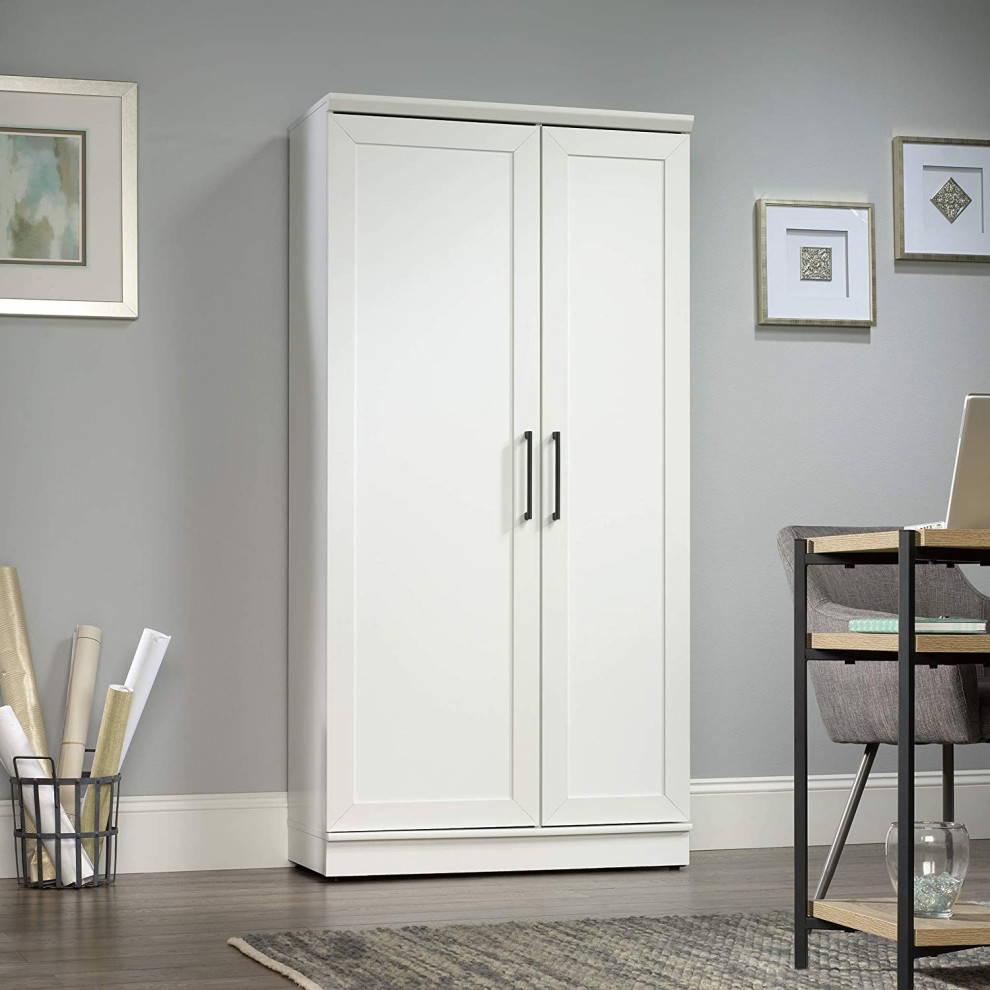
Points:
x=489, y=488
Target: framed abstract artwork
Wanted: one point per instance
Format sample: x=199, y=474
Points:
x=940, y=206
x=816, y=264
x=68, y=198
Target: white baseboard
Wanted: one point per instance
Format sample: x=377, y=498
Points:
x=757, y=812
x=179, y=832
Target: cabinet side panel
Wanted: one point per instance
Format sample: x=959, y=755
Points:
x=307, y=471
x=677, y=481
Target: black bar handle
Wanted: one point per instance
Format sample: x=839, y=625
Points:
x=528, y=435
x=556, y=473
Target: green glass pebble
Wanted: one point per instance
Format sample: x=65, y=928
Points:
x=935, y=895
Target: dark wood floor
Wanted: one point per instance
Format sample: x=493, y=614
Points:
x=168, y=930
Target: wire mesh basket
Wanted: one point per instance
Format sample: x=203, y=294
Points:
x=49, y=850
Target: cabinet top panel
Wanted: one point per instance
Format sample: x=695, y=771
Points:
x=515, y=113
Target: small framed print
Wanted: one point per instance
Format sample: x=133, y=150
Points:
x=68, y=197
x=940, y=207
x=42, y=196
x=817, y=264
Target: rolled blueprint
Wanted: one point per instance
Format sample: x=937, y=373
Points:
x=14, y=742
x=106, y=763
x=78, y=705
x=17, y=684
x=144, y=669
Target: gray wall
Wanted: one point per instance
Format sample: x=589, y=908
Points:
x=144, y=464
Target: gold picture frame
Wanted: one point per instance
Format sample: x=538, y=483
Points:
x=108, y=200
x=763, y=309
x=900, y=253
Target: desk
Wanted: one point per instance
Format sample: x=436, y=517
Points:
x=908, y=549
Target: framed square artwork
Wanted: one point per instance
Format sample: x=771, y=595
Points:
x=940, y=206
x=68, y=197
x=816, y=264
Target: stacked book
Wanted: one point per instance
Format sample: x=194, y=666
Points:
x=941, y=624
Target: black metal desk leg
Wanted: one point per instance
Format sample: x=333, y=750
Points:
x=948, y=783
x=905, y=760
x=800, y=757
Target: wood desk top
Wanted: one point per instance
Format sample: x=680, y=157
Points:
x=959, y=539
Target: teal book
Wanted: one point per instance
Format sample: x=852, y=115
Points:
x=941, y=624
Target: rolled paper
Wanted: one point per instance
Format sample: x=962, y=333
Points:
x=144, y=669
x=13, y=743
x=106, y=763
x=17, y=684
x=78, y=705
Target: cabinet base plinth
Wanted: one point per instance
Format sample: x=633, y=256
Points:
x=488, y=851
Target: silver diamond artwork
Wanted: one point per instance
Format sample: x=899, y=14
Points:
x=951, y=200
x=816, y=264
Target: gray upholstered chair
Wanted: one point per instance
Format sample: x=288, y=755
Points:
x=858, y=702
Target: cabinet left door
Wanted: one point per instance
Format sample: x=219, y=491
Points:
x=433, y=628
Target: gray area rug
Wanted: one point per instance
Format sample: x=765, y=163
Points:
x=711, y=952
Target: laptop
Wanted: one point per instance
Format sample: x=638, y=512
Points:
x=969, y=496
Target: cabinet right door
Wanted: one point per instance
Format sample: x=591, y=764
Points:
x=615, y=539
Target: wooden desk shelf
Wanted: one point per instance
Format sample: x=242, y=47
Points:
x=887, y=642
x=968, y=926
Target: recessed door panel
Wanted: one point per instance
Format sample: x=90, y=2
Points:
x=434, y=382
x=614, y=664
